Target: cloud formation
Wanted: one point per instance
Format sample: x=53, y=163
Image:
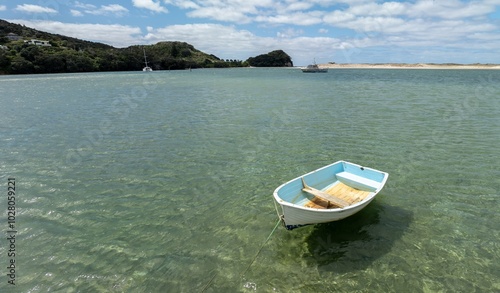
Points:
x=397, y=24
x=30, y=8
x=329, y=30
x=104, y=10
x=150, y=5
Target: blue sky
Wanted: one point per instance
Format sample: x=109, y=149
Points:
x=355, y=31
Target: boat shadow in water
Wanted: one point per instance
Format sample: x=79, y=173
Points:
x=356, y=242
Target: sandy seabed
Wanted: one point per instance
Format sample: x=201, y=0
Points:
x=409, y=66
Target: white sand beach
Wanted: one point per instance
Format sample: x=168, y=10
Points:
x=409, y=66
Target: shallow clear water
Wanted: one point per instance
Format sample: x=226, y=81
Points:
x=163, y=182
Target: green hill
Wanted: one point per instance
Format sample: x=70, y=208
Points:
x=276, y=58
x=66, y=54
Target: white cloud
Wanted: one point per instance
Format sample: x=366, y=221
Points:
x=450, y=9
x=289, y=33
x=375, y=24
x=84, y=5
x=30, y=8
x=184, y=4
x=207, y=34
x=3, y=7
x=221, y=14
x=105, y=10
x=223, y=41
x=229, y=42
x=387, y=8
x=298, y=6
x=331, y=12
x=150, y=5
x=76, y=13
x=440, y=23
x=296, y=18
x=239, y=11
x=112, y=9
x=338, y=17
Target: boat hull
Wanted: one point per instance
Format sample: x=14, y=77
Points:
x=322, y=70
x=314, y=68
x=294, y=217
x=354, y=183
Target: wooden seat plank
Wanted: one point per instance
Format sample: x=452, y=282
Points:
x=324, y=196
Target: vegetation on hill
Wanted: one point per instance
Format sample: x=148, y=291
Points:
x=276, y=58
x=66, y=54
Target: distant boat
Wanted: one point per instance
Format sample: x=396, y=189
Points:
x=314, y=68
x=146, y=68
x=328, y=194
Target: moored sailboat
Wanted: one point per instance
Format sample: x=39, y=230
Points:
x=146, y=68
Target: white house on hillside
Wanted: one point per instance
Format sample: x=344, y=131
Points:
x=38, y=43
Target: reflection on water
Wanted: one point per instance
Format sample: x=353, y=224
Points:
x=356, y=242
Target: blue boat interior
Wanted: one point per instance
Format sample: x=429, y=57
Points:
x=324, y=178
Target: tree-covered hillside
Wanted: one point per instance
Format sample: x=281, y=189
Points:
x=66, y=54
x=276, y=58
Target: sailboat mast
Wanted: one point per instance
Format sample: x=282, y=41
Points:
x=145, y=59
x=146, y=68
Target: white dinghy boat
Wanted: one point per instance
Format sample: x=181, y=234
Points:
x=331, y=193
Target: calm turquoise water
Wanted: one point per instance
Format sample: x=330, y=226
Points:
x=162, y=182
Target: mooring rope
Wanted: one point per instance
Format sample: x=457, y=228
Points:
x=256, y=255
x=262, y=246
x=207, y=285
x=209, y=282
